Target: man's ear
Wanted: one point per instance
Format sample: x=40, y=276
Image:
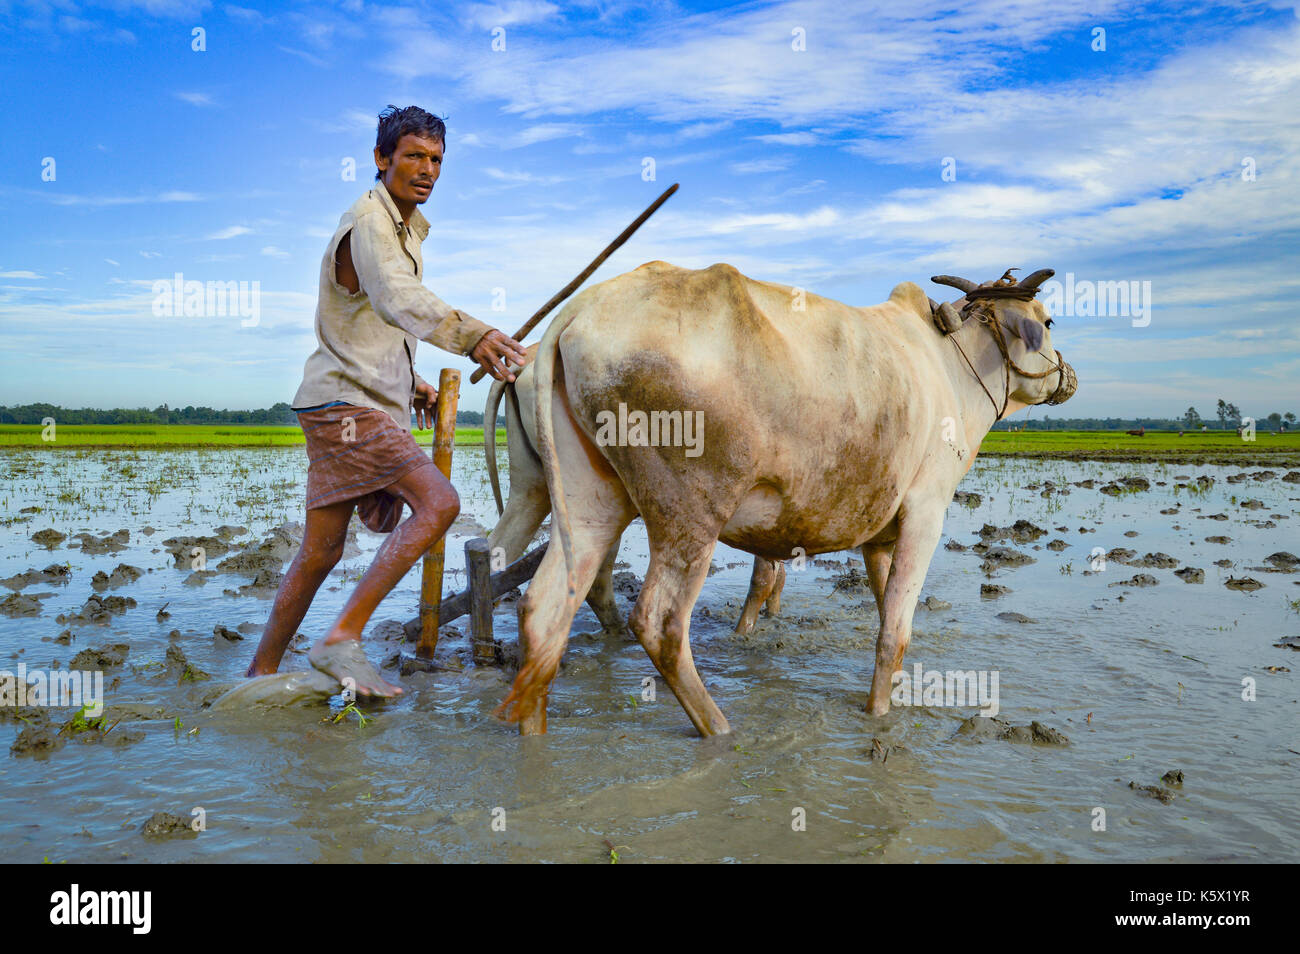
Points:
x=1031, y=332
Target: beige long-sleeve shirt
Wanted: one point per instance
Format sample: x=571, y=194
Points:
x=367, y=341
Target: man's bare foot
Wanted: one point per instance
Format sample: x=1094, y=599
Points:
x=345, y=660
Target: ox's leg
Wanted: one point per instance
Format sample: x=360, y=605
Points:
x=599, y=511
x=546, y=615
x=661, y=620
x=762, y=583
x=919, y=529
x=879, y=557
x=601, y=595
x=778, y=585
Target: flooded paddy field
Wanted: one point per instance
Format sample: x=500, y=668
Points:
x=1148, y=628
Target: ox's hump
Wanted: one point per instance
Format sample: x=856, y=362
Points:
x=910, y=296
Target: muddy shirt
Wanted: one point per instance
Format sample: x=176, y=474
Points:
x=367, y=341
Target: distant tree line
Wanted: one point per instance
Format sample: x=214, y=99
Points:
x=1227, y=415
x=276, y=414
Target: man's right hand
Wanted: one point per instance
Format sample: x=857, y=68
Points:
x=495, y=350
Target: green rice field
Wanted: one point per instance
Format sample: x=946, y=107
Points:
x=1071, y=445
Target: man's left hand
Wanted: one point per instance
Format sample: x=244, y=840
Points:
x=426, y=398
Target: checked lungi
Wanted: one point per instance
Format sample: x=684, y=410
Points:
x=378, y=454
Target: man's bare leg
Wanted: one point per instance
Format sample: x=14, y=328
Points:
x=434, y=505
x=322, y=547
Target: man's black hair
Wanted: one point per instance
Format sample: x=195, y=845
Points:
x=395, y=123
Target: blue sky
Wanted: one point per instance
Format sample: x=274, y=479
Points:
x=819, y=167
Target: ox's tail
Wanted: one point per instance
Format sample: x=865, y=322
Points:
x=490, y=440
x=532, y=681
x=544, y=371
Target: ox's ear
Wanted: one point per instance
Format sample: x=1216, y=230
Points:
x=1030, y=330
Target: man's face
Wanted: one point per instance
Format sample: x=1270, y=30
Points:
x=410, y=172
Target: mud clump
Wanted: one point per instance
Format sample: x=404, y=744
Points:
x=997, y=558
x=627, y=583
x=1057, y=545
x=166, y=825
x=1022, y=531
x=1190, y=574
x=1218, y=539
x=934, y=604
x=37, y=738
x=99, y=610
x=122, y=574
x=21, y=604
x=1173, y=777
x=49, y=539
x=1135, y=484
x=182, y=548
x=991, y=591
x=1015, y=618
x=109, y=543
x=1246, y=584
x=852, y=581
x=1283, y=561
x=1141, y=579
x=229, y=635
x=1158, y=792
x=56, y=574
x=279, y=545
x=1121, y=555
x=984, y=728
x=1254, y=504
x=105, y=657
x=1292, y=477
x=181, y=668
x=955, y=547
x=967, y=499
x=1159, y=561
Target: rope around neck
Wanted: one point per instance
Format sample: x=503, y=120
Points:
x=983, y=313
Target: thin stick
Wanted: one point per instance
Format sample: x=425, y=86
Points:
x=570, y=288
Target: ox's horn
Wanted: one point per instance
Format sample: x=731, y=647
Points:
x=1030, y=283
x=965, y=284
x=947, y=318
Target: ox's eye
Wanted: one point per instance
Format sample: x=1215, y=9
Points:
x=1047, y=323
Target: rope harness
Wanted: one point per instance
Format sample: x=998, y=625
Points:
x=982, y=311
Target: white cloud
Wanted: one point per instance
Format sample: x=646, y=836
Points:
x=272, y=252
x=753, y=166
x=485, y=16
x=195, y=99
x=20, y=274
x=232, y=231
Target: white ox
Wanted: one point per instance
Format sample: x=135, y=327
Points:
x=826, y=427
x=529, y=504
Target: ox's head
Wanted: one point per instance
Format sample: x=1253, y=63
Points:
x=1020, y=328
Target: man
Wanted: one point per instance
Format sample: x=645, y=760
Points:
x=354, y=404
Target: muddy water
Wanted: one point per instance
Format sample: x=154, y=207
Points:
x=1142, y=680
